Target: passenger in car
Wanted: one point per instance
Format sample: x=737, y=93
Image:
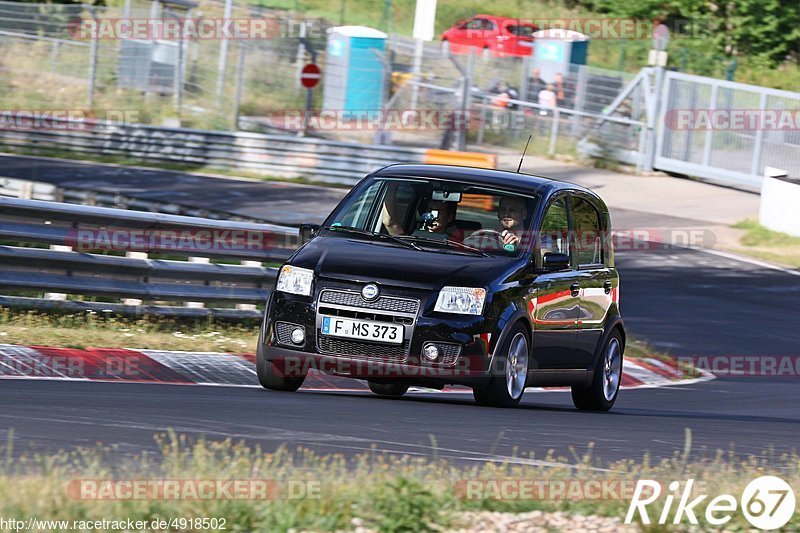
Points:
x=437, y=218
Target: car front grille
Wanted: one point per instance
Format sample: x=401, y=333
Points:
x=367, y=350
x=383, y=303
x=384, y=309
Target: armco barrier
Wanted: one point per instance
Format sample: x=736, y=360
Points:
x=124, y=270
x=275, y=155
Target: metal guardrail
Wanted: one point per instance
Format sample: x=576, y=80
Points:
x=276, y=155
x=102, y=252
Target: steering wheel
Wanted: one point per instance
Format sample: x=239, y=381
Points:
x=482, y=237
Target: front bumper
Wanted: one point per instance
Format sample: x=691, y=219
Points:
x=464, y=339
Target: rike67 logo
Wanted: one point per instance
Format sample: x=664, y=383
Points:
x=767, y=502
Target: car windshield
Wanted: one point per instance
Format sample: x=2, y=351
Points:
x=437, y=215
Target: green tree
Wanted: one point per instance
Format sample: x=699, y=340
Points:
x=764, y=29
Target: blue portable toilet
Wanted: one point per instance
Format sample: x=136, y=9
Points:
x=555, y=50
x=354, y=77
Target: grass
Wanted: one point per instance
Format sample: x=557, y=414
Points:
x=387, y=493
x=769, y=245
x=91, y=329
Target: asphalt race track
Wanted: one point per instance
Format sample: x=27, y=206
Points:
x=285, y=203
x=685, y=301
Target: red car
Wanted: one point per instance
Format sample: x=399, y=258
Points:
x=502, y=36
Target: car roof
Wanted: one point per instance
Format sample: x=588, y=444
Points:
x=502, y=19
x=503, y=179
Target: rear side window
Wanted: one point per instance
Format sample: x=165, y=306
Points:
x=520, y=30
x=588, y=232
x=554, y=234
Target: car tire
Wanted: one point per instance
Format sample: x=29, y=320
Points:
x=270, y=376
x=388, y=389
x=604, y=390
x=509, y=371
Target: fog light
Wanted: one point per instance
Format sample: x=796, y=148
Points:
x=431, y=352
x=298, y=335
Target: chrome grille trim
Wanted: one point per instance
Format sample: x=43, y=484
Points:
x=353, y=299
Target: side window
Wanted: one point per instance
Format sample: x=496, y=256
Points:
x=475, y=24
x=588, y=236
x=554, y=233
x=397, y=213
x=355, y=214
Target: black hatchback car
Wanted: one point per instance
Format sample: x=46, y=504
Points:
x=428, y=275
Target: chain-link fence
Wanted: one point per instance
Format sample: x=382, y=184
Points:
x=75, y=57
x=51, y=62
x=78, y=58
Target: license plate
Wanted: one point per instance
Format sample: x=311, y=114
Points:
x=362, y=329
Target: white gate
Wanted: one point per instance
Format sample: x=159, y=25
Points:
x=725, y=131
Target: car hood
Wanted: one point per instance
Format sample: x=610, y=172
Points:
x=357, y=260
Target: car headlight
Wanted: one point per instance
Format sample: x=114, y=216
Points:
x=461, y=300
x=295, y=280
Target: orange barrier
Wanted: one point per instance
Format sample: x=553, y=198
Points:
x=478, y=201
x=468, y=159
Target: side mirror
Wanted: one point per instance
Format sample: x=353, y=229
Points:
x=555, y=261
x=308, y=232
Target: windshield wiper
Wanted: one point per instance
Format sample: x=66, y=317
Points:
x=368, y=233
x=451, y=243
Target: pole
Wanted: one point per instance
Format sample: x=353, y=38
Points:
x=415, y=70
x=341, y=12
x=301, y=55
x=466, y=99
x=92, y=62
x=387, y=7
x=179, y=78
x=307, y=112
x=239, y=82
x=223, y=54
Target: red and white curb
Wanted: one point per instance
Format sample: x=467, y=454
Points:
x=117, y=365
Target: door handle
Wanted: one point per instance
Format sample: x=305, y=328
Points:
x=575, y=289
x=607, y=286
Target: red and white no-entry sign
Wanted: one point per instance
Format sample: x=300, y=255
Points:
x=310, y=76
